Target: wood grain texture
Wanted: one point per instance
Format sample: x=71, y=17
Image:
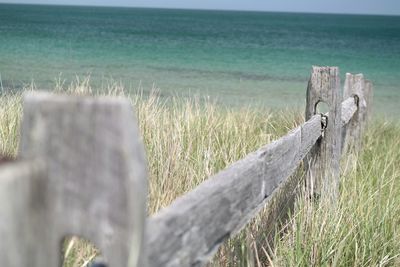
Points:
x=190, y=230
x=97, y=182
x=23, y=222
x=322, y=165
x=352, y=132
x=369, y=96
x=349, y=108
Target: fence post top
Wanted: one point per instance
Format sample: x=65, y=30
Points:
x=358, y=75
x=325, y=68
x=40, y=96
x=317, y=71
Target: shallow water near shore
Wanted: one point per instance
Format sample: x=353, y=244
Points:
x=233, y=58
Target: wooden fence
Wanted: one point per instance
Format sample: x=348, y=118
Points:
x=81, y=170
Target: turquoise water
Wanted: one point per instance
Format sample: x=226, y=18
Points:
x=235, y=58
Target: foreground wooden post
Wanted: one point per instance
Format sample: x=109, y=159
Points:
x=97, y=184
x=352, y=132
x=23, y=222
x=322, y=163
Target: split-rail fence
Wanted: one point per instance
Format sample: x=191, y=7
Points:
x=81, y=170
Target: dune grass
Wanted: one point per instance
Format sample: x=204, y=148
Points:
x=188, y=140
x=364, y=228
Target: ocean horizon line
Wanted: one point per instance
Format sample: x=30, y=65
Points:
x=204, y=9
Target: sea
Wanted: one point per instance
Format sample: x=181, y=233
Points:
x=232, y=58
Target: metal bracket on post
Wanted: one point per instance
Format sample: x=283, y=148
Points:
x=324, y=123
x=322, y=163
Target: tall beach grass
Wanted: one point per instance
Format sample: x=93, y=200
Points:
x=187, y=140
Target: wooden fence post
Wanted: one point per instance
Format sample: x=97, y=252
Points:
x=322, y=163
x=352, y=132
x=23, y=222
x=97, y=184
x=369, y=95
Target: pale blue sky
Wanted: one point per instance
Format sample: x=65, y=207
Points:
x=389, y=7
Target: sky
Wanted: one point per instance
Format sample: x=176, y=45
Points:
x=385, y=7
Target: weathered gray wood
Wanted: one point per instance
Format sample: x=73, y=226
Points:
x=369, y=95
x=189, y=231
x=322, y=165
x=352, y=132
x=349, y=108
x=96, y=171
x=279, y=207
x=23, y=222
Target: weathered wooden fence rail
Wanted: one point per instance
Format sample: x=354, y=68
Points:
x=82, y=171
